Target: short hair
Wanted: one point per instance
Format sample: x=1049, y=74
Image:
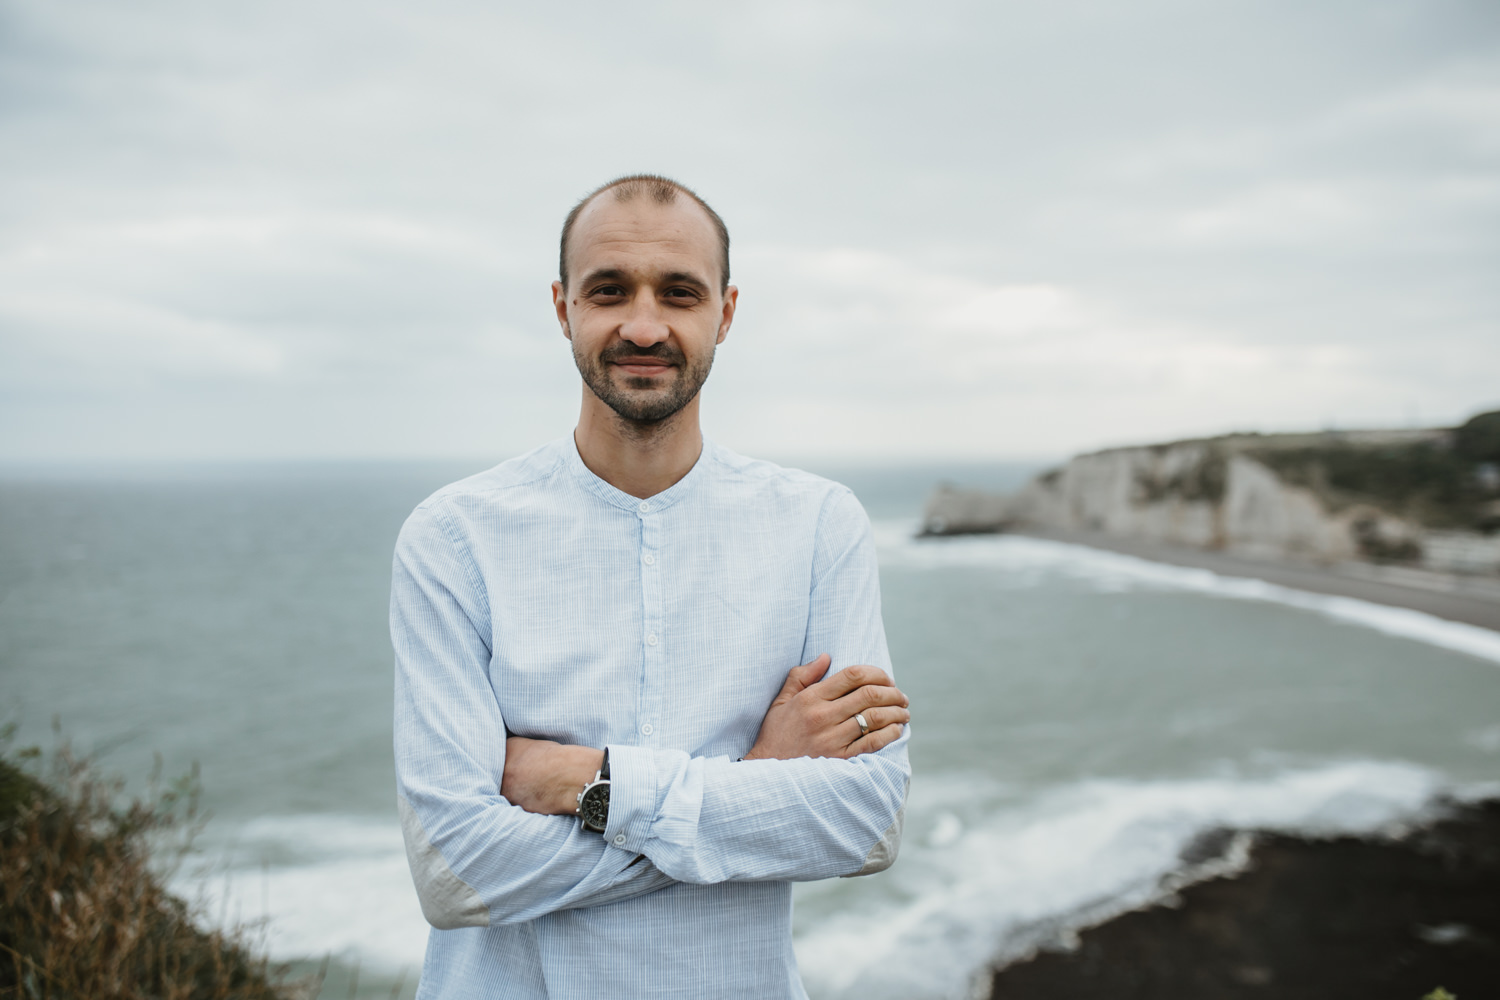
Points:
x=662, y=190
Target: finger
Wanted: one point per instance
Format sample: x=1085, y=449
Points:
x=813, y=670
x=841, y=682
x=879, y=718
x=878, y=739
x=806, y=675
x=875, y=719
x=871, y=696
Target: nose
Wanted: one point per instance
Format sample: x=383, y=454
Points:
x=645, y=325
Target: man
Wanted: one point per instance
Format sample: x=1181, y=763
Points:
x=614, y=751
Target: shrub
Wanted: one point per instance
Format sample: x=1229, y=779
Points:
x=1478, y=439
x=84, y=912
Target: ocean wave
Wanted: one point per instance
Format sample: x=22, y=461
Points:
x=315, y=885
x=986, y=872
x=966, y=894
x=1025, y=558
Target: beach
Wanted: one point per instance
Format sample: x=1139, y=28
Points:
x=1472, y=600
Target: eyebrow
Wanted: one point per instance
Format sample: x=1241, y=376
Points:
x=684, y=278
x=603, y=274
x=671, y=278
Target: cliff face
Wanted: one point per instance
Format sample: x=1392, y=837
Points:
x=1267, y=497
x=1193, y=494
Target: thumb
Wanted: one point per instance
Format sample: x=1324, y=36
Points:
x=806, y=675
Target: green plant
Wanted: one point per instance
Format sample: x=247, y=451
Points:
x=1478, y=438
x=1425, y=481
x=84, y=912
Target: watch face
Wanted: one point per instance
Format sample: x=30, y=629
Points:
x=593, y=807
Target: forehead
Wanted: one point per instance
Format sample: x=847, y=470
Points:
x=644, y=234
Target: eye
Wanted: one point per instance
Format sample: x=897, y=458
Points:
x=682, y=296
x=606, y=292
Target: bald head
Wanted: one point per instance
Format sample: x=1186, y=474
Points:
x=661, y=190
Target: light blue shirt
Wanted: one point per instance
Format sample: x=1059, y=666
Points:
x=536, y=599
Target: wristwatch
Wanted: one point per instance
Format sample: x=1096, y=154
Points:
x=593, y=801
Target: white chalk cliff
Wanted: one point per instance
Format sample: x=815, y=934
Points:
x=1212, y=494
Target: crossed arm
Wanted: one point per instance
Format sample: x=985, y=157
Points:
x=814, y=715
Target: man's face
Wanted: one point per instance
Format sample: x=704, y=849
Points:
x=643, y=308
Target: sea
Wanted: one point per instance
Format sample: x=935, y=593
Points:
x=1083, y=722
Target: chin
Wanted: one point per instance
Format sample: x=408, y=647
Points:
x=646, y=384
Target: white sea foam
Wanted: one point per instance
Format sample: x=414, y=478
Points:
x=982, y=865
x=1034, y=872
x=1024, y=558
x=321, y=885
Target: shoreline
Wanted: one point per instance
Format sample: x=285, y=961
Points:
x=1473, y=601
x=1363, y=918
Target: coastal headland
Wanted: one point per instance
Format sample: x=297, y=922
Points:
x=1407, y=518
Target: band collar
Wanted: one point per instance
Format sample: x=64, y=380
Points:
x=619, y=498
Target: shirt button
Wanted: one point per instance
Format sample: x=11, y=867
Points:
x=619, y=840
x=645, y=507
x=650, y=559
x=651, y=639
x=646, y=729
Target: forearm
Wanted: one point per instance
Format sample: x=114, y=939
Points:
x=674, y=799
x=546, y=777
x=713, y=820
x=480, y=859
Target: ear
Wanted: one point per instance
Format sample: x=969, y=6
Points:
x=731, y=301
x=560, y=306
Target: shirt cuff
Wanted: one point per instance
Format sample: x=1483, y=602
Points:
x=632, y=798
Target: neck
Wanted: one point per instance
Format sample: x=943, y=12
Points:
x=639, y=459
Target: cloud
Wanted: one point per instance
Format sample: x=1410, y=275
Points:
x=1293, y=213
x=886, y=357
x=274, y=229
x=290, y=296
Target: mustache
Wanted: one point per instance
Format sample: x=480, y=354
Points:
x=663, y=352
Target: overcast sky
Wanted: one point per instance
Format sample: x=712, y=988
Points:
x=960, y=229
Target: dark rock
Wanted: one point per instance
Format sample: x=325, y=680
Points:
x=1363, y=919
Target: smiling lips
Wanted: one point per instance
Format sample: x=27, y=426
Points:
x=642, y=366
x=639, y=362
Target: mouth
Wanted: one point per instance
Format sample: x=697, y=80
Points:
x=648, y=363
x=642, y=367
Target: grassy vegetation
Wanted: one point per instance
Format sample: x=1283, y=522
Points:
x=84, y=912
x=1444, y=483
x=1205, y=480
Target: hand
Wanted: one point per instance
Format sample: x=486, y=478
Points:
x=815, y=718
x=545, y=777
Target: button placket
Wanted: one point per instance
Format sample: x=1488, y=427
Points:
x=654, y=634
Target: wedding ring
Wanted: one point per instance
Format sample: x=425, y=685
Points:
x=864, y=726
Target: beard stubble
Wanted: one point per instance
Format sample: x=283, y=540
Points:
x=639, y=400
